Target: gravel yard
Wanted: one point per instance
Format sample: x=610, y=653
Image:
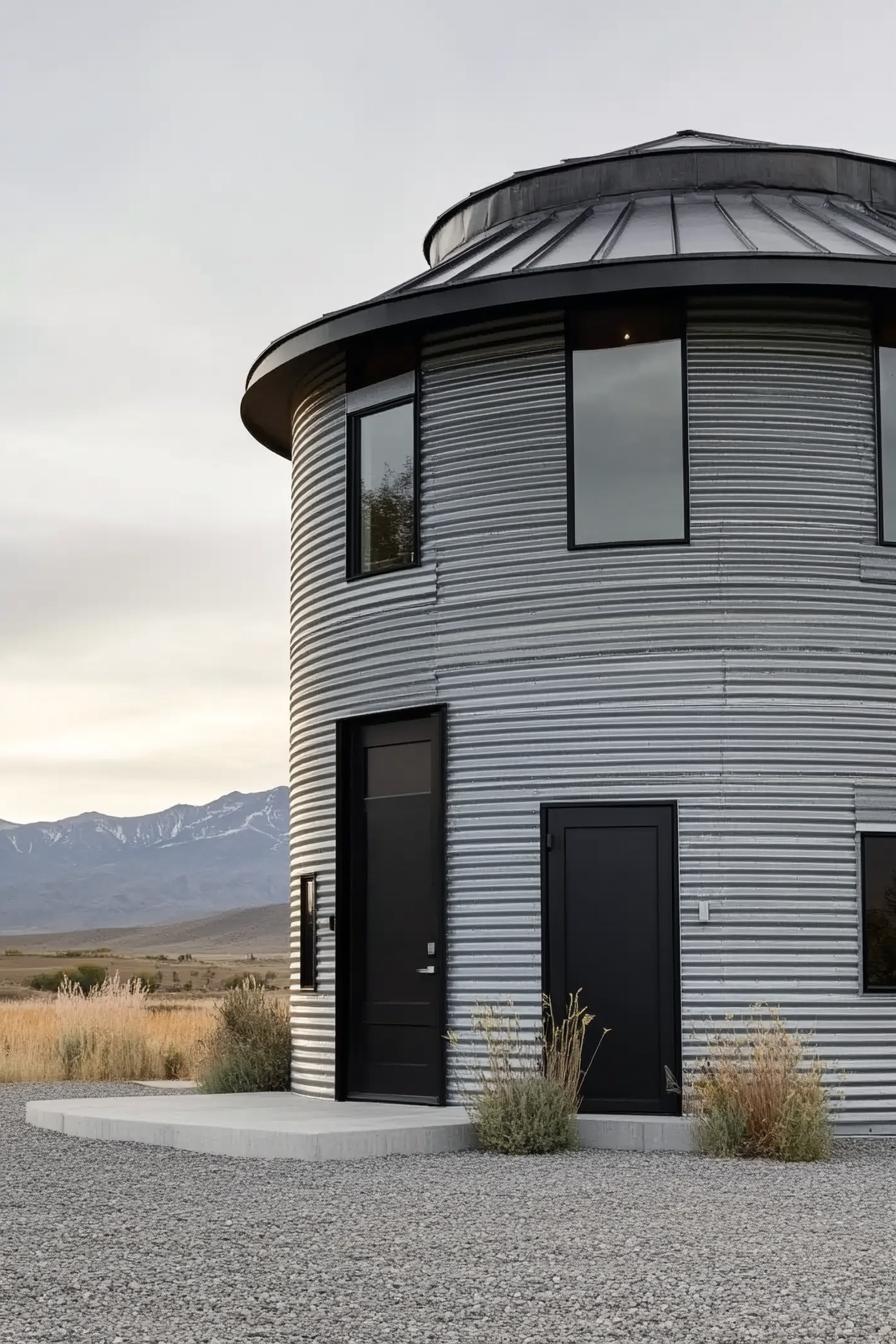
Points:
x=120, y=1242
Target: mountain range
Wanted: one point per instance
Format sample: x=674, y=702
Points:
x=96, y=870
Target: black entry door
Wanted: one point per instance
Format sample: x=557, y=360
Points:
x=391, y=961
x=611, y=931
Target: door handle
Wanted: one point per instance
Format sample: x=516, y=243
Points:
x=426, y=970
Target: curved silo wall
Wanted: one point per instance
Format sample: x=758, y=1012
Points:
x=748, y=675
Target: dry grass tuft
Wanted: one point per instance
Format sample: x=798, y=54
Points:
x=760, y=1095
x=563, y=1045
x=525, y=1098
x=111, y=1034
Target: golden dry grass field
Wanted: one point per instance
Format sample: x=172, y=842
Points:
x=111, y=1036
x=118, y=1033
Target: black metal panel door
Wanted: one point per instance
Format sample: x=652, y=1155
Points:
x=611, y=931
x=395, y=998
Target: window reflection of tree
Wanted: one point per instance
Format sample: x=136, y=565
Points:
x=387, y=511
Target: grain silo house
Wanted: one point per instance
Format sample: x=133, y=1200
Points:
x=593, y=624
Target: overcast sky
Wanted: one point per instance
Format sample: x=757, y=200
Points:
x=185, y=181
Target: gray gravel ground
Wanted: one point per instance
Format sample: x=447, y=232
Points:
x=121, y=1242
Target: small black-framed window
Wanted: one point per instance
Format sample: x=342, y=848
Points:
x=308, y=931
x=879, y=912
x=886, y=430
x=626, y=427
x=382, y=478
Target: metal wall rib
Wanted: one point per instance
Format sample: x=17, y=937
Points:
x=354, y=648
x=748, y=676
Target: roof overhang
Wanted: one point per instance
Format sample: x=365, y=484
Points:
x=277, y=374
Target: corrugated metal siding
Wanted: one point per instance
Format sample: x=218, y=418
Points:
x=876, y=808
x=747, y=676
x=354, y=649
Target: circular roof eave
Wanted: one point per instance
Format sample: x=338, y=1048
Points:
x=272, y=380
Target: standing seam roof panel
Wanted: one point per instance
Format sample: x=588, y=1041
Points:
x=699, y=223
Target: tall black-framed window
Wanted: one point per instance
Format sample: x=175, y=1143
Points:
x=626, y=427
x=383, y=476
x=308, y=931
x=886, y=430
x=879, y=912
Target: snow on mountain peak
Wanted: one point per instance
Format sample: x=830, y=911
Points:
x=149, y=867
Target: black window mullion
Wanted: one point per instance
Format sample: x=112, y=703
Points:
x=878, y=876
x=308, y=931
x=355, y=565
x=626, y=370
x=353, y=499
x=885, y=412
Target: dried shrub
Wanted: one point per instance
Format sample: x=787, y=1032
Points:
x=101, y=1033
x=249, y=1049
x=525, y=1098
x=563, y=1046
x=86, y=977
x=174, y=1063
x=759, y=1094
x=526, y=1114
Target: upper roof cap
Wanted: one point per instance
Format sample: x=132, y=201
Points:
x=689, y=160
x=691, y=212
x=688, y=139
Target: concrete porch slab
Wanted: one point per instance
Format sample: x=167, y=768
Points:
x=260, y=1124
x=639, y=1133
x=312, y=1129
x=166, y=1084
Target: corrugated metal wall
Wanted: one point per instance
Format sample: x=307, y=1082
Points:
x=748, y=676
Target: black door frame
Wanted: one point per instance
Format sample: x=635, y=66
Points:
x=346, y=730
x=545, y=809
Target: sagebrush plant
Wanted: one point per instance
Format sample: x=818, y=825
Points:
x=86, y=977
x=760, y=1093
x=528, y=1114
x=249, y=1048
x=525, y=1097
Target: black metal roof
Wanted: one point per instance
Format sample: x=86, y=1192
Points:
x=685, y=162
x=654, y=224
x=692, y=210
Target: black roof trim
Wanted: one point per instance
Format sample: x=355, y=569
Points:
x=272, y=380
x=668, y=142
